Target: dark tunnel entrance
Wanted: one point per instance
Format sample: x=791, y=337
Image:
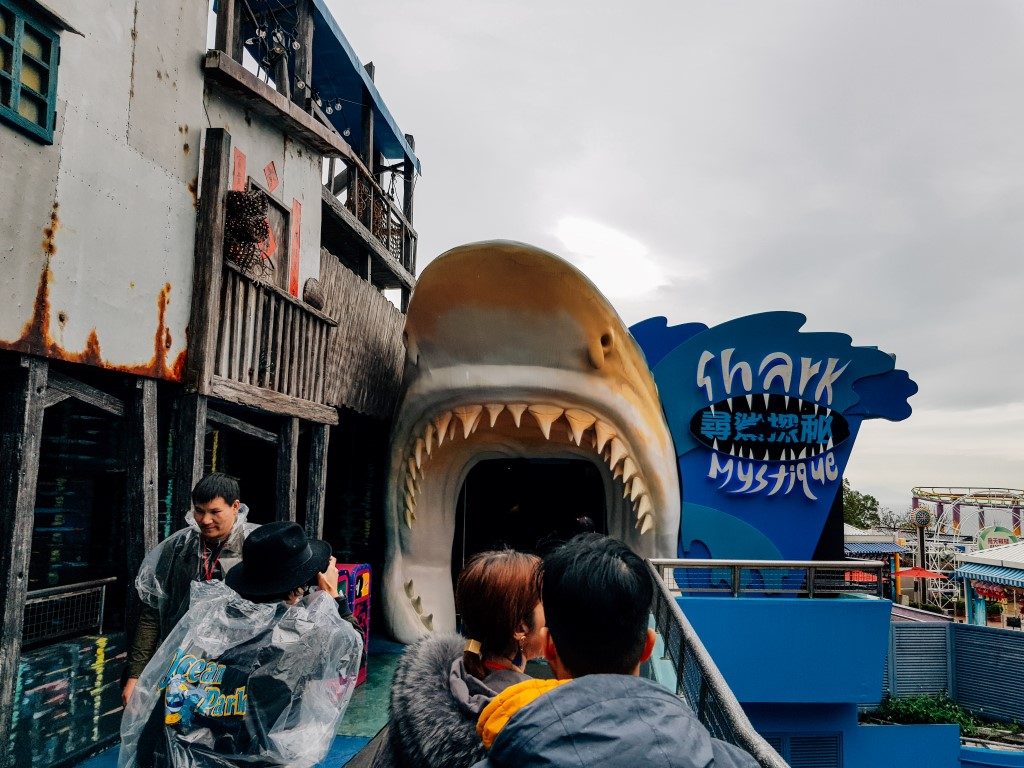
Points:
x=526, y=504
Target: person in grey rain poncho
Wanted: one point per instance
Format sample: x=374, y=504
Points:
x=202, y=551
x=253, y=674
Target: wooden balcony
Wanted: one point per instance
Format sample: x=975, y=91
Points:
x=270, y=347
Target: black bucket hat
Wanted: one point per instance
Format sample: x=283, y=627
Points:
x=277, y=558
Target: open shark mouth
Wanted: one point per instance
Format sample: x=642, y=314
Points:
x=513, y=354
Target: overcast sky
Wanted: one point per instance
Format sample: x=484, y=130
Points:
x=861, y=162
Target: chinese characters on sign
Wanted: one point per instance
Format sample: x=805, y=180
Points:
x=806, y=429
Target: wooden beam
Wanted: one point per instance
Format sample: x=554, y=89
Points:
x=409, y=177
x=21, y=432
x=240, y=426
x=271, y=401
x=344, y=217
x=234, y=80
x=207, y=260
x=189, y=453
x=60, y=384
x=141, y=508
x=303, y=56
x=287, y=468
x=316, y=492
x=229, y=28
x=368, y=153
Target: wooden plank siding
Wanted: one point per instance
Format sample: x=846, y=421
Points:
x=365, y=354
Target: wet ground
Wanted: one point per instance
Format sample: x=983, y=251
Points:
x=367, y=713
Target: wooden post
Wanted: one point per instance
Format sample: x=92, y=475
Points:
x=141, y=502
x=21, y=431
x=287, y=467
x=142, y=492
x=316, y=491
x=368, y=144
x=229, y=29
x=208, y=262
x=189, y=449
x=303, y=56
x=409, y=178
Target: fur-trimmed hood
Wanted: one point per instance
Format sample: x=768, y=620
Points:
x=434, y=707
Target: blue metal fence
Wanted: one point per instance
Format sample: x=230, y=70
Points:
x=981, y=668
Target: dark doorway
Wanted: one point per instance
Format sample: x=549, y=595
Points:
x=526, y=504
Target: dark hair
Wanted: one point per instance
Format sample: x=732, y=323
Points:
x=597, y=599
x=215, y=485
x=497, y=591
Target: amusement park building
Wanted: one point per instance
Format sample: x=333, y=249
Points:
x=203, y=206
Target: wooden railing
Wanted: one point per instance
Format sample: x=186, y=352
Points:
x=268, y=339
x=379, y=214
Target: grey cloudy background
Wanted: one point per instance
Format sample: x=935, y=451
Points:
x=860, y=161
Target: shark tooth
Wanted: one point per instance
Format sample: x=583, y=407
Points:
x=579, y=422
x=516, y=409
x=604, y=433
x=418, y=451
x=629, y=469
x=644, y=506
x=765, y=455
x=617, y=471
x=410, y=500
x=765, y=395
x=413, y=469
x=728, y=403
x=428, y=437
x=469, y=415
x=409, y=517
x=417, y=603
x=750, y=402
x=637, y=489
x=714, y=444
x=786, y=401
x=646, y=524
x=828, y=411
x=618, y=451
x=441, y=422
x=451, y=431
x=493, y=411
x=545, y=416
x=428, y=621
x=410, y=485
x=803, y=453
x=732, y=450
x=409, y=589
x=625, y=488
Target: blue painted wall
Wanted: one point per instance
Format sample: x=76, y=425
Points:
x=795, y=650
x=970, y=757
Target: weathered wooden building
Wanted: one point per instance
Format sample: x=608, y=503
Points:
x=203, y=205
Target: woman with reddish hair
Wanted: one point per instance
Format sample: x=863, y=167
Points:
x=443, y=682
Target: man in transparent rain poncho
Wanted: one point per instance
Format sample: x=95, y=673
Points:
x=253, y=674
x=204, y=550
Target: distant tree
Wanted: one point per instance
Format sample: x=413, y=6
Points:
x=859, y=509
x=891, y=520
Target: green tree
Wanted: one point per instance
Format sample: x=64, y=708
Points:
x=859, y=509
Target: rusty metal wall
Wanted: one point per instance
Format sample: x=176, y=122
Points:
x=367, y=356
x=97, y=231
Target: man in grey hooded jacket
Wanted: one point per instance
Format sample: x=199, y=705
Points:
x=597, y=594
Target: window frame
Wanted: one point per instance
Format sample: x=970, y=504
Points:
x=10, y=114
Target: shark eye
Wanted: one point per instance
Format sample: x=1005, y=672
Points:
x=600, y=348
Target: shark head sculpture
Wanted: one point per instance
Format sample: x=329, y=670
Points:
x=511, y=352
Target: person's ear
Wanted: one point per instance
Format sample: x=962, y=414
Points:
x=236, y=504
x=649, y=642
x=551, y=654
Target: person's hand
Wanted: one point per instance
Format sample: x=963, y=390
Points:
x=129, y=686
x=328, y=580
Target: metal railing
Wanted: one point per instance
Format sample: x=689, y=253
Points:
x=772, y=578
x=698, y=680
x=64, y=611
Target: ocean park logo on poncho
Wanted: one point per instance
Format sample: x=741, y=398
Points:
x=764, y=417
